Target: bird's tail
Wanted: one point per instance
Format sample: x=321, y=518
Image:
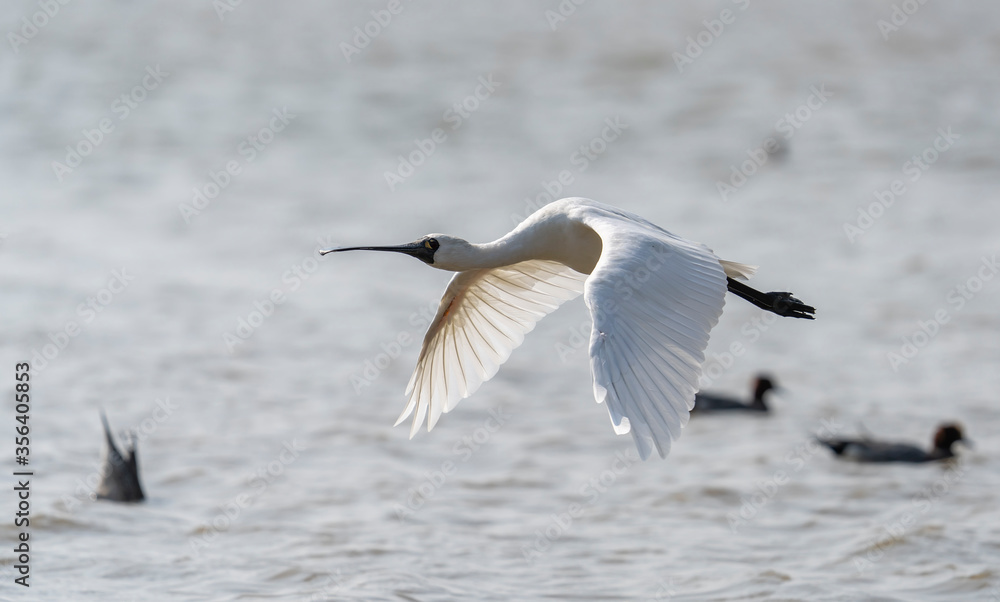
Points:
x=107, y=431
x=837, y=445
x=738, y=270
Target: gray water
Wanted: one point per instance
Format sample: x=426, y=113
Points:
x=266, y=441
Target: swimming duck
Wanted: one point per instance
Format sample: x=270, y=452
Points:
x=868, y=450
x=120, y=482
x=709, y=402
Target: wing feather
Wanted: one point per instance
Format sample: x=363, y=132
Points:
x=649, y=338
x=482, y=318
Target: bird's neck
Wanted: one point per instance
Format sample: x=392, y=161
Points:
x=574, y=245
x=758, y=398
x=499, y=253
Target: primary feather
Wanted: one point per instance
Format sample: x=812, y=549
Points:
x=483, y=316
x=649, y=336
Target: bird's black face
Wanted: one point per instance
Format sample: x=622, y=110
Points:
x=422, y=249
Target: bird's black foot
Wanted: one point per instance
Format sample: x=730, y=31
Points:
x=784, y=304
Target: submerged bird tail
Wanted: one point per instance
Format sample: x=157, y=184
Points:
x=738, y=270
x=107, y=431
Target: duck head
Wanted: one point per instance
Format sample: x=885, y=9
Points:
x=949, y=434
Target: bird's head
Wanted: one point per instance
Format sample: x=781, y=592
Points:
x=436, y=250
x=949, y=434
x=764, y=383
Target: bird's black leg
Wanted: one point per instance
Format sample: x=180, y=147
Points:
x=783, y=304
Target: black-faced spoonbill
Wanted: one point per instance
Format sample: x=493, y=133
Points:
x=653, y=297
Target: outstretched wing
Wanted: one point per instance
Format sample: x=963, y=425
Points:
x=653, y=298
x=483, y=317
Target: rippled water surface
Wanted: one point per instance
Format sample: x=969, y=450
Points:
x=266, y=440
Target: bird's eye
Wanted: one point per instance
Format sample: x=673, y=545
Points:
x=431, y=244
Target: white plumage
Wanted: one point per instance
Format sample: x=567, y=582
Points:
x=653, y=296
x=483, y=317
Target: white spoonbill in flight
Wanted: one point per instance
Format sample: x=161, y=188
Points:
x=653, y=297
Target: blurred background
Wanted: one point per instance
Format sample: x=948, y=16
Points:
x=171, y=168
